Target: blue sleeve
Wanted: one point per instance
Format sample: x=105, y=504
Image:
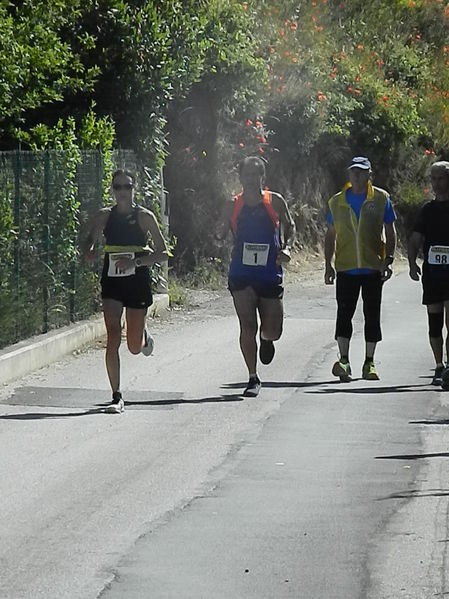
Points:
x=389, y=215
x=329, y=219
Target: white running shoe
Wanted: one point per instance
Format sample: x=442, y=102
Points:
x=253, y=387
x=148, y=346
x=117, y=405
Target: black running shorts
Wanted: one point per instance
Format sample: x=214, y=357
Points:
x=265, y=290
x=435, y=290
x=133, y=291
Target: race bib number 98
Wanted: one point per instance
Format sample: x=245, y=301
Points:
x=439, y=254
x=255, y=254
x=115, y=271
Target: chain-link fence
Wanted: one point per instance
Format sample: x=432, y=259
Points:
x=45, y=199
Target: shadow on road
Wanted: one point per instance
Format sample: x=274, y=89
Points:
x=372, y=389
x=44, y=415
x=279, y=384
x=414, y=456
x=444, y=421
x=84, y=399
x=412, y=493
x=181, y=401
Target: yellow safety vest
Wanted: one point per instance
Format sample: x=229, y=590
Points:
x=359, y=244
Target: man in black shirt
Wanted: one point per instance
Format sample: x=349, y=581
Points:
x=431, y=232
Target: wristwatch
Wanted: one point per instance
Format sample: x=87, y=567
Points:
x=138, y=261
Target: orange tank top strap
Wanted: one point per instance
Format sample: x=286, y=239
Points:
x=269, y=208
x=266, y=200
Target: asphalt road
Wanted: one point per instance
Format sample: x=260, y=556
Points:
x=313, y=490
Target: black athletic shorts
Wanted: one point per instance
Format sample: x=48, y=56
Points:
x=435, y=290
x=266, y=290
x=133, y=291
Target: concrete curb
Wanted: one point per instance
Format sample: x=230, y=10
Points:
x=29, y=355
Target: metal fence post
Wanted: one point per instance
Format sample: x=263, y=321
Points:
x=17, y=195
x=46, y=237
x=165, y=219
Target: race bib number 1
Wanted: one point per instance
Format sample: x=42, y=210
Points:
x=439, y=254
x=115, y=271
x=255, y=254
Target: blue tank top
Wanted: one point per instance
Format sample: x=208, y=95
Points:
x=255, y=247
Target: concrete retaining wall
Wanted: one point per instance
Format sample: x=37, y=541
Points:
x=29, y=355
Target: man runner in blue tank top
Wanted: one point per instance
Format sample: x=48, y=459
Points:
x=256, y=219
x=125, y=280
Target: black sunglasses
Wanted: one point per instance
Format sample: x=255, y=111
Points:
x=118, y=187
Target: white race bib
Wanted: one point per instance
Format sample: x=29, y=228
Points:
x=439, y=254
x=114, y=271
x=255, y=254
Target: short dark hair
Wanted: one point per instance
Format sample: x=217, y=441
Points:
x=121, y=171
x=253, y=161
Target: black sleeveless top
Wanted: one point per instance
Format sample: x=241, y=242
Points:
x=124, y=229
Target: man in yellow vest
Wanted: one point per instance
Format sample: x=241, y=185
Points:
x=362, y=236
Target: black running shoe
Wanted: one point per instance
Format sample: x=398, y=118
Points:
x=117, y=405
x=253, y=387
x=266, y=351
x=445, y=379
x=438, y=375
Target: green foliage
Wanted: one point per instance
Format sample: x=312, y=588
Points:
x=196, y=86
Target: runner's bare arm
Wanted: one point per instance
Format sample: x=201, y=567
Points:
x=94, y=233
x=149, y=224
x=414, y=244
x=390, y=247
x=329, y=250
x=390, y=239
x=224, y=221
x=287, y=225
x=286, y=221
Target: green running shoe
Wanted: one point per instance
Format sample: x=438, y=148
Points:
x=343, y=371
x=369, y=372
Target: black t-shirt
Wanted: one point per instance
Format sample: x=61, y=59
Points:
x=433, y=223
